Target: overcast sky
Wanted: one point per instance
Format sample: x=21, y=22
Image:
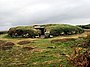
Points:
x=31, y=12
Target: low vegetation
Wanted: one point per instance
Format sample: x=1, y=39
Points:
x=3, y=32
x=65, y=51
x=85, y=26
x=78, y=58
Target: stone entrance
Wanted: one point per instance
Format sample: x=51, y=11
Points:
x=42, y=29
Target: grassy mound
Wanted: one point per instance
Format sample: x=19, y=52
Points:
x=23, y=31
x=50, y=29
x=63, y=29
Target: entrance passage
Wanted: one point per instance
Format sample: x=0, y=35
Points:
x=42, y=31
x=42, y=35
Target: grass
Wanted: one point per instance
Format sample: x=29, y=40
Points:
x=41, y=55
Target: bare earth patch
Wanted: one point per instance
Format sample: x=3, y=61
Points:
x=24, y=42
x=28, y=48
x=62, y=40
x=2, y=41
x=6, y=45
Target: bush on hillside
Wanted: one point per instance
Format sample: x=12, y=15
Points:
x=85, y=26
x=3, y=32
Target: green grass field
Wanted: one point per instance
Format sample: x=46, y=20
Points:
x=39, y=52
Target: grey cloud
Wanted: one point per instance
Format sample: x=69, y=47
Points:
x=29, y=12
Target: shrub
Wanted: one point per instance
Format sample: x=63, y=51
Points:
x=85, y=44
x=80, y=60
